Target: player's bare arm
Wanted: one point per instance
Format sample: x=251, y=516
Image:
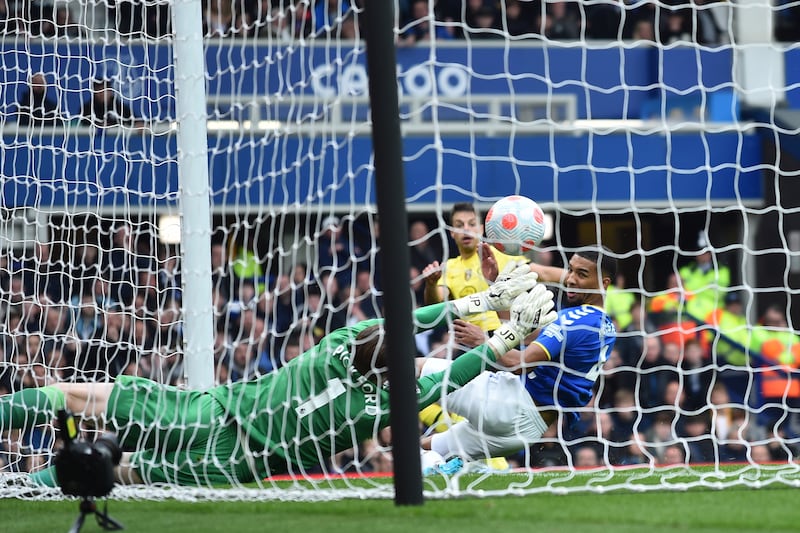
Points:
x=517, y=361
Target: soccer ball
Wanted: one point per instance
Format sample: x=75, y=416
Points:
x=514, y=225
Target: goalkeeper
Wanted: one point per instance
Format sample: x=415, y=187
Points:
x=325, y=401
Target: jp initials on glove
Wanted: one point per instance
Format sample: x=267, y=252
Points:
x=529, y=312
x=515, y=279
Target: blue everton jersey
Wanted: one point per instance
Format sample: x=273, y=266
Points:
x=578, y=344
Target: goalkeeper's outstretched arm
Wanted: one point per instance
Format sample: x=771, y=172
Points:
x=530, y=310
x=515, y=280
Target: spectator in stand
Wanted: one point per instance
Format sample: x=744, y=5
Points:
x=43, y=273
x=365, y=301
x=663, y=307
x=421, y=26
x=87, y=320
x=289, y=298
x=619, y=300
x=625, y=414
x=471, y=11
x=106, y=108
x=676, y=26
x=630, y=340
x=731, y=338
x=644, y=30
x=635, y=452
x=170, y=286
x=422, y=252
x=640, y=21
x=334, y=310
x=659, y=435
x=517, y=19
x=218, y=18
x=779, y=382
x=169, y=333
x=675, y=454
x=333, y=251
x=613, y=379
x=221, y=279
x=760, y=454
x=705, y=24
x=705, y=282
x=328, y=15
x=246, y=266
x=603, y=20
x=653, y=375
x=61, y=24
x=246, y=363
x=417, y=285
x=55, y=320
x=699, y=442
x=562, y=21
x=586, y=457
x=8, y=19
x=673, y=402
x=485, y=23
x=35, y=106
x=548, y=451
x=698, y=375
x=270, y=22
x=84, y=267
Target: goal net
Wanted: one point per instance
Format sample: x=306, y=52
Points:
x=663, y=130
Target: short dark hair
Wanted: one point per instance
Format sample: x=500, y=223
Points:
x=603, y=257
x=369, y=356
x=463, y=207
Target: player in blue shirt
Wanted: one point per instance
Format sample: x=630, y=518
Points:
x=505, y=414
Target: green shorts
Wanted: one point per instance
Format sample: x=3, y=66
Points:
x=179, y=436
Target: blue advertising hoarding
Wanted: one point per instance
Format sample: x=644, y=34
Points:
x=75, y=170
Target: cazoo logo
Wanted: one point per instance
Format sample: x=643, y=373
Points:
x=419, y=80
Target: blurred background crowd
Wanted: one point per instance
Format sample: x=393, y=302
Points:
x=678, y=387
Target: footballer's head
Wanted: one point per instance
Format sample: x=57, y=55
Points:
x=589, y=273
x=369, y=357
x=467, y=228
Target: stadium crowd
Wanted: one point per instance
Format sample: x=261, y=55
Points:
x=678, y=387
x=704, y=22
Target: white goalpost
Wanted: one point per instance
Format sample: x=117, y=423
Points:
x=189, y=197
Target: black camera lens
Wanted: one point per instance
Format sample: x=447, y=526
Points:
x=108, y=445
x=85, y=468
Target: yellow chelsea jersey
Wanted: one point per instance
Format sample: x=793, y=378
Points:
x=463, y=277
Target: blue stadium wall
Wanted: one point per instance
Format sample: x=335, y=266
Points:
x=685, y=168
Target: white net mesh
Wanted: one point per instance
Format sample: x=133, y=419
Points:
x=641, y=125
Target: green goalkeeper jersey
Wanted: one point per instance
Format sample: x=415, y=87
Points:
x=318, y=404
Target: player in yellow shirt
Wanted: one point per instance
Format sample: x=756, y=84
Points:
x=462, y=275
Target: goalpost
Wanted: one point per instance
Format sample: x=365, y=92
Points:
x=625, y=135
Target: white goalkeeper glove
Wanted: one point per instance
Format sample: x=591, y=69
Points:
x=515, y=279
x=530, y=311
x=513, y=268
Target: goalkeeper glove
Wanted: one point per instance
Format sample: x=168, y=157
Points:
x=515, y=279
x=530, y=311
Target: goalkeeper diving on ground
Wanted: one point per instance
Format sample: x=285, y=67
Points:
x=325, y=401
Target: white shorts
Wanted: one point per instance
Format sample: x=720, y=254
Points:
x=501, y=417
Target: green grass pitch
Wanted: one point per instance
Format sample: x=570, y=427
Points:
x=631, y=506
